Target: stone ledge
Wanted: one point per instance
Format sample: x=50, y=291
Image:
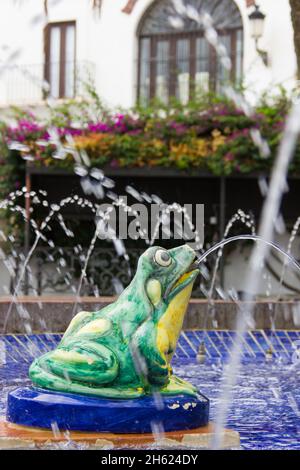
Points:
x=56, y=313
x=19, y=437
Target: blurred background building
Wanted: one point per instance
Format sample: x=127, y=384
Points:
x=137, y=50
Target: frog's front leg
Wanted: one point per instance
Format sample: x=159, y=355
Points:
x=80, y=360
x=177, y=386
x=144, y=347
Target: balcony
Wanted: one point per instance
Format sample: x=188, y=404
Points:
x=26, y=84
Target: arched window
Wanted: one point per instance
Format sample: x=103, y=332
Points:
x=177, y=62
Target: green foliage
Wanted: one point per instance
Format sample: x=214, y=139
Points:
x=208, y=134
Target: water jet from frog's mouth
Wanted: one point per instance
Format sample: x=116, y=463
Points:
x=226, y=241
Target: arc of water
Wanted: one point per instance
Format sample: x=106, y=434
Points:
x=180, y=210
x=249, y=222
x=248, y=237
x=46, y=221
x=289, y=250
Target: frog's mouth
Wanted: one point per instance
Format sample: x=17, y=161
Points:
x=183, y=281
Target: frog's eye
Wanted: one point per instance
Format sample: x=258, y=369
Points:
x=162, y=258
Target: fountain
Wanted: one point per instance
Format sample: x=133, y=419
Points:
x=104, y=374
x=110, y=374
x=87, y=368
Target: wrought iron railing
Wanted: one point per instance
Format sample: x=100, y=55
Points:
x=26, y=84
x=59, y=270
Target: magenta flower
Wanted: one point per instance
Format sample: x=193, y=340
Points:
x=114, y=163
x=229, y=157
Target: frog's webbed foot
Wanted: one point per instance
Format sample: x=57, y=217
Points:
x=177, y=386
x=83, y=362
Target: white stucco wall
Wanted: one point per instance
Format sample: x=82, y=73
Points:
x=278, y=42
x=110, y=42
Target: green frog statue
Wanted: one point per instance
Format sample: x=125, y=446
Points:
x=124, y=350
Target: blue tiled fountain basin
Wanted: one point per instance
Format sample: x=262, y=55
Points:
x=265, y=406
